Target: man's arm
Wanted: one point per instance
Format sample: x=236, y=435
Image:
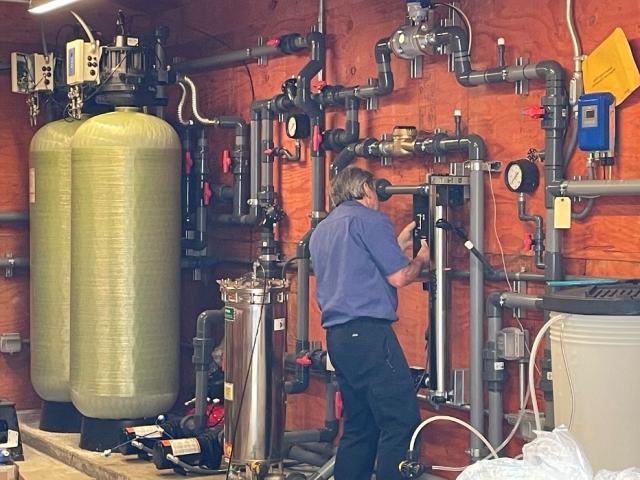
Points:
x=408, y=274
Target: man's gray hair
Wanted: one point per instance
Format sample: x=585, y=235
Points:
x=349, y=185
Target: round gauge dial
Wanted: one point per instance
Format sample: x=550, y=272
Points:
x=298, y=126
x=522, y=176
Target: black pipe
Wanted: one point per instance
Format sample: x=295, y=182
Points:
x=10, y=217
x=240, y=162
x=286, y=45
x=538, y=235
x=201, y=168
x=339, y=138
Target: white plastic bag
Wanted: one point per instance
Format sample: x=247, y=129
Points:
x=628, y=474
x=551, y=456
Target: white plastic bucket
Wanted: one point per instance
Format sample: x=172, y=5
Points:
x=601, y=357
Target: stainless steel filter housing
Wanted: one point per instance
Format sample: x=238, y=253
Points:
x=255, y=341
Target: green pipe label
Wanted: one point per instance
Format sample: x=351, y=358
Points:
x=229, y=314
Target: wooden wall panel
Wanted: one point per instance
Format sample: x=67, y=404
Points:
x=602, y=245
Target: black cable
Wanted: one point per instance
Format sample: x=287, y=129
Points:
x=287, y=263
x=227, y=45
x=246, y=378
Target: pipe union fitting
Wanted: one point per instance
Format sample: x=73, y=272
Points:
x=409, y=42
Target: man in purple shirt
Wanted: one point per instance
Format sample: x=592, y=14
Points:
x=359, y=263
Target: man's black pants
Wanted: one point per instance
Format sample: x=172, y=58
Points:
x=380, y=406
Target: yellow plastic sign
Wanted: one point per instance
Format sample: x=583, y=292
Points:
x=611, y=68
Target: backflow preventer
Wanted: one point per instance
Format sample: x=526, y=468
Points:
x=255, y=339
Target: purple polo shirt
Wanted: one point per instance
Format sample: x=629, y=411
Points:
x=353, y=250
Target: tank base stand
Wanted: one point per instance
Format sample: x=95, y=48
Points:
x=100, y=434
x=60, y=417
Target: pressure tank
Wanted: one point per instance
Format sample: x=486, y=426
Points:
x=50, y=238
x=125, y=269
x=255, y=339
x=595, y=389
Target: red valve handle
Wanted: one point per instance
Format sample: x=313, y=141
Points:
x=206, y=193
x=188, y=162
x=534, y=112
x=318, y=85
x=338, y=406
x=268, y=151
x=528, y=242
x=273, y=42
x=226, y=161
x=317, y=138
x=304, y=361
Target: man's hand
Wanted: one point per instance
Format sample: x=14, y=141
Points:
x=405, y=239
x=424, y=253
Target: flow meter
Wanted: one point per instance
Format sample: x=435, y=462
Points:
x=522, y=176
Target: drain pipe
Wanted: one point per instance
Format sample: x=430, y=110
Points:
x=494, y=373
x=275, y=47
x=203, y=345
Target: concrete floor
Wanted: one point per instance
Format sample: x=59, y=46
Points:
x=56, y=456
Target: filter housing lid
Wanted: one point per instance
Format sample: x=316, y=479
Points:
x=621, y=298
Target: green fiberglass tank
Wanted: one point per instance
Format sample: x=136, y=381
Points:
x=125, y=246
x=50, y=238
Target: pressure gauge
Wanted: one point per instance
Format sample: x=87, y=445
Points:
x=522, y=176
x=298, y=126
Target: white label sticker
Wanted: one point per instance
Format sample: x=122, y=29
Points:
x=149, y=431
x=13, y=438
x=32, y=185
x=550, y=376
x=279, y=324
x=498, y=365
x=185, y=446
x=228, y=391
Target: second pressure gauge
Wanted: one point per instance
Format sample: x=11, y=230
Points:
x=298, y=126
x=522, y=176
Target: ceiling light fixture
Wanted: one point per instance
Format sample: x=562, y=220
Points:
x=45, y=6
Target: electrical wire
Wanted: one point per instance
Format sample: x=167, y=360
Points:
x=495, y=230
x=286, y=265
x=464, y=16
x=448, y=418
x=246, y=378
x=532, y=361
x=566, y=369
x=227, y=45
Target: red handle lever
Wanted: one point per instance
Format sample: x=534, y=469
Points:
x=304, y=361
x=318, y=85
x=206, y=193
x=528, y=242
x=338, y=406
x=273, y=42
x=317, y=138
x=226, y=161
x=188, y=162
x=534, y=112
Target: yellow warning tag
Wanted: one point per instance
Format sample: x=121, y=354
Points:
x=611, y=68
x=228, y=391
x=562, y=212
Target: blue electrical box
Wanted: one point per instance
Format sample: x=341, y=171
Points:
x=597, y=124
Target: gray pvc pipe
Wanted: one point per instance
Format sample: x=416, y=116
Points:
x=17, y=262
x=301, y=455
x=580, y=188
x=476, y=305
x=227, y=59
x=14, y=217
x=496, y=408
x=267, y=143
x=254, y=168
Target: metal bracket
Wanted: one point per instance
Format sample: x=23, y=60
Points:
x=372, y=102
x=522, y=86
x=448, y=180
x=9, y=269
x=453, y=20
x=262, y=61
x=10, y=343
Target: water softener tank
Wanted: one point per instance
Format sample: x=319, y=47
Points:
x=255, y=339
x=594, y=349
x=125, y=249
x=50, y=237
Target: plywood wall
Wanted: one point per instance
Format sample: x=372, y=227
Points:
x=602, y=245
